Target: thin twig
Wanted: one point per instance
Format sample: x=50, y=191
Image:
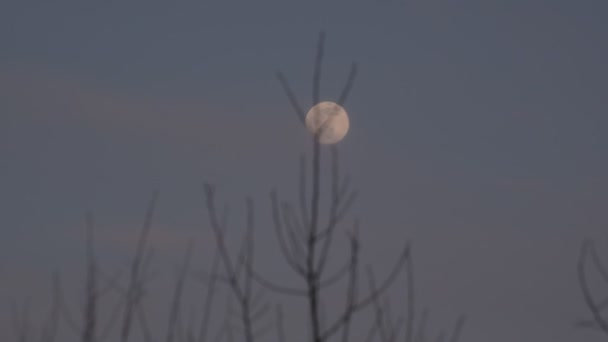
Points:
x=177, y=294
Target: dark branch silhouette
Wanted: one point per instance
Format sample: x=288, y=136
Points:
x=595, y=307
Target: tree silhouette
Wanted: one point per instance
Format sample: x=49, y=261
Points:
x=305, y=243
x=305, y=231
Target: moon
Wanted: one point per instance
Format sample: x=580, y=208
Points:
x=329, y=120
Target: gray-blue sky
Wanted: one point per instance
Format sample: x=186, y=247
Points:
x=478, y=129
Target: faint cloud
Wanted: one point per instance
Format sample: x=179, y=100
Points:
x=45, y=96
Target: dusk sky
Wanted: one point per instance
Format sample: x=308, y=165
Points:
x=478, y=131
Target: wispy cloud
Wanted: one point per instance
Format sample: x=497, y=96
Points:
x=47, y=96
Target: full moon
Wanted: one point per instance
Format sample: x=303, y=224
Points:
x=329, y=120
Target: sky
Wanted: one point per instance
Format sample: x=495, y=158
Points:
x=477, y=131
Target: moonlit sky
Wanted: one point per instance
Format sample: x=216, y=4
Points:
x=478, y=130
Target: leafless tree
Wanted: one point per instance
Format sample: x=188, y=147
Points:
x=306, y=232
x=87, y=325
x=238, y=272
x=305, y=240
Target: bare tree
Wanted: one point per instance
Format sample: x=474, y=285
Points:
x=306, y=232
x=305, y=241
x=238, y=271
x=87, y=326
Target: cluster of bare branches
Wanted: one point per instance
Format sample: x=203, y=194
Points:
x=238, y=273
x=305, y=241
x=87, y=326
x=127, y=309
x=306, y=232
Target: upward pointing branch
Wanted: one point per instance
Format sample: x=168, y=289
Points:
x=134, y=290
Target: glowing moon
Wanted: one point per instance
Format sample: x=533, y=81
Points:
x=329, y=120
